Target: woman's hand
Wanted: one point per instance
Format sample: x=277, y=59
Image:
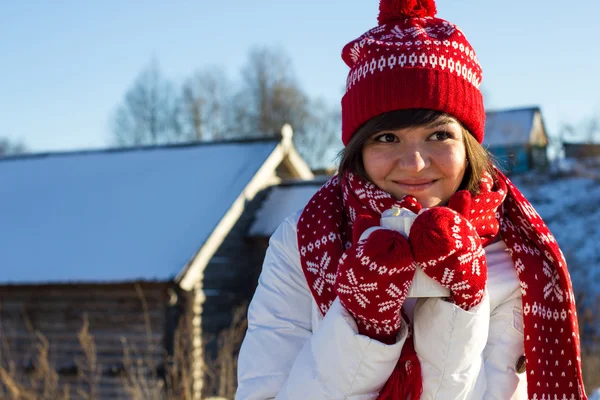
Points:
x=372, y=282
x=448, y=249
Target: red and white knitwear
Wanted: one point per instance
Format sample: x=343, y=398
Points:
x=412, y=62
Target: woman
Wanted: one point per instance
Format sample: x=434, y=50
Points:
x=330, y=318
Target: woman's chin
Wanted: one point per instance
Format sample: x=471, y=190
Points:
x=429, y=202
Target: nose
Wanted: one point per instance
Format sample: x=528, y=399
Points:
x=412, y=159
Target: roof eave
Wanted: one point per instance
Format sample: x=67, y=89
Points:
x=285, y=152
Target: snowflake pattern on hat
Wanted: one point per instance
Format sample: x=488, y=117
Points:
x=419, y=62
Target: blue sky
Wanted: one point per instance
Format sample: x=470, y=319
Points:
x=65, y=65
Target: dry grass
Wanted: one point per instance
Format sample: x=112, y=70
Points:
x=589, y=323
x=41, y=384
x=221, y=370
x=141, y=377
x=590, y=364
x=88, y=368
x=142, y=382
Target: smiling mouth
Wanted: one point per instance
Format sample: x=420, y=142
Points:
x=416, y=185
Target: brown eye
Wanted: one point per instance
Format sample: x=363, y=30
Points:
x=441, y=136
x=385, y=138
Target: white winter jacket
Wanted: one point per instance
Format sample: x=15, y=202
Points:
x=291, y=352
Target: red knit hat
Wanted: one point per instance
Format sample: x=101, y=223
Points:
x=411, y=60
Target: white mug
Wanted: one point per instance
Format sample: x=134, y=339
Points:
x=400, y=220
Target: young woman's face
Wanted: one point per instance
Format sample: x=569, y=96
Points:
x=427, y=162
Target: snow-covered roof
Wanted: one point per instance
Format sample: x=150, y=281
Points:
x=110, y=216
x=509, y=127
x=281, y=202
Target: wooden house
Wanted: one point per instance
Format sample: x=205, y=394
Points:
x=581, y=151
x=517, y=138
x=130, y=240
x=280, y=202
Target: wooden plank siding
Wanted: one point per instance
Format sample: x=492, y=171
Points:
x=231, y=276
x=582, y=150
x=116, y=314
x=229, y=281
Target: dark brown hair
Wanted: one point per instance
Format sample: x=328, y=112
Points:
x=479, y=160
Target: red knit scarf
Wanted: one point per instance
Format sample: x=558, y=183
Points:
x=550, y=320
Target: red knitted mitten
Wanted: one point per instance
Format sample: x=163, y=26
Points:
x=362, y=223
x=410, y=203
x=447, y=248
x=373, y=279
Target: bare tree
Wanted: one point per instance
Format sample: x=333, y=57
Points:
x=321, y=141
x=206, y=105
x=269, y=96
x=487, y=98
x=10, y=147
x=586, y=130
x=591, y=130
x=150, y=111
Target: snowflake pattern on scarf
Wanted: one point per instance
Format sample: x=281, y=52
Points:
x=551, y=333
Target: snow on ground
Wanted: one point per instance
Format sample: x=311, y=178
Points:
x=570, y=205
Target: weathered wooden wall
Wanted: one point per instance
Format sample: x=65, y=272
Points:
x=117, y=317
x=231, y=276
x=581, y=150
x=229, y=282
